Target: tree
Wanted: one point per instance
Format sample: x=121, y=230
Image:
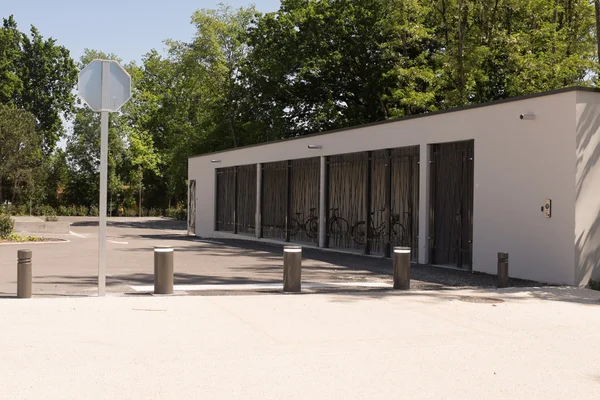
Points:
x=37, y=75
x=11, y=84
x=597, y=15
x=143, y=159
x=496, y=49
x=411, y=48
x=20, y=154
x=320, y=65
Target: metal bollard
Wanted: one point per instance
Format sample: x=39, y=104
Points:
x=24, y=275
x=402, y=268
x=502, y=270
x=163, y=270
x=292, y=268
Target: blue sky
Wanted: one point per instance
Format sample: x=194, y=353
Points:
x=127, y=28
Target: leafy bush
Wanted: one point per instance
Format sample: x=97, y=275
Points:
x=72, y=211
x=178, y=213
x=64, y=211
x=15, y=237
x=6, y=226
x=131, y=212
x=592, y=284
x=21, y=210
x=82, y=211
x=94, y=212
x=154, y=212
x=46, y=211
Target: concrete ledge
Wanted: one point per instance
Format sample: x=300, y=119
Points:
x=42, y=227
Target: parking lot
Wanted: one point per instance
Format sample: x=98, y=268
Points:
x=201, y=266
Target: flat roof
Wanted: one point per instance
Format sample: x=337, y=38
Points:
x=407, y=117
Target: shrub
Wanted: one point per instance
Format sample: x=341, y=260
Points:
x=45, y=210
x=592, y=284
x=72, y=211
x=6, y=226
x=22, y=210
x=94, y=211
x=82, y=211
x=154, y=212
x=64, y=211
x=15, y=237
x=178, y=213
x=131, y=212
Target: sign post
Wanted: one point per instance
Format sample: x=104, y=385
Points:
x=104, y=86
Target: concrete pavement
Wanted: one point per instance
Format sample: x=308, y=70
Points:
x=456, y=344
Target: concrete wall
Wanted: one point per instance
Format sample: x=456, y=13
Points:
x=518, y=164
x=587, y=189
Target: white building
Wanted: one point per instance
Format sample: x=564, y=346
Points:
x=457, y=186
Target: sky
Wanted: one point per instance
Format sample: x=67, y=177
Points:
x=127, y=28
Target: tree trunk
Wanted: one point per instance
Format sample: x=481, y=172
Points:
x=596, y=6
x=140, y=203
x=461, y=71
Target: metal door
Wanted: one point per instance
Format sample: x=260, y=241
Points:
x=451, y=239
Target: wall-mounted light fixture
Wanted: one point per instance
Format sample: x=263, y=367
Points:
x=215, y=161
x=315, y=146
x=527, y=116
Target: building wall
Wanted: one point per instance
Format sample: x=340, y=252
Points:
x=518, y=164
x=587, y=189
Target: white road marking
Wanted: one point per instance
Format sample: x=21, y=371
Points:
x=262, y=286
x=77, y=234
x=117, y=242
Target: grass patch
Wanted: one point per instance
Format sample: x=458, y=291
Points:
x=16, y=238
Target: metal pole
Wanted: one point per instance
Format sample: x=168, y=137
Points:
x=368, y=216
x=258, y=221
x=24, y=274
x=163, y=270
x=292, y=268
x=502, y=270
x=402, y=268
x=322, y=202
x=103, y=179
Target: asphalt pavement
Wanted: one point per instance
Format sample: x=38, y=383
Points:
x=202, y=266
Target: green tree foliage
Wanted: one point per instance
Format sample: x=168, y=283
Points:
x=494, y=49
x=20, y=155
x=11, y=84
x=318, y=65
x=312, y=65
x=37, y=75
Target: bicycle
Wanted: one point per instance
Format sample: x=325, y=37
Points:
x=337, y=225
x=310, y=227
x=359, y=229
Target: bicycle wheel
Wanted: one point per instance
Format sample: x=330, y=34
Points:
x=338, y=227
x=400, y=236
x=312, y=228
x=295, y=227
x=359, y=232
